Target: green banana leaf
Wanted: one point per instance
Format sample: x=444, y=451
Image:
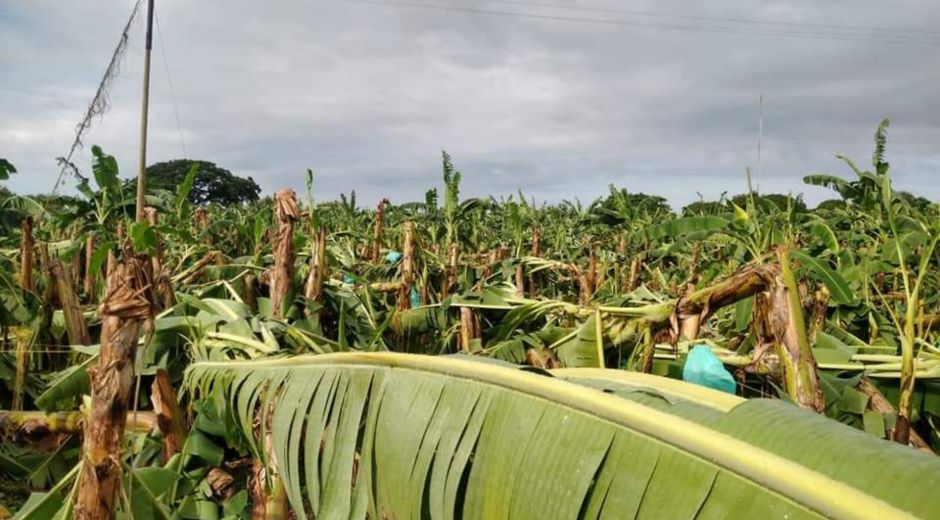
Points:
x=585, y=348
x=49, y=504
x=420, y=320
x=67, y=386
x=838, y=287
x=680, y=227
x=824, y=235
x=384, y=435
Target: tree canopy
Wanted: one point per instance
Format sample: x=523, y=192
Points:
x=764, y=202
x=213, y=183
x=779, y=200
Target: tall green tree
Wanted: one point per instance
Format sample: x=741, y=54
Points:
x=213, y=183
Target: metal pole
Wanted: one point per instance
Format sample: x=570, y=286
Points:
x=144, y=109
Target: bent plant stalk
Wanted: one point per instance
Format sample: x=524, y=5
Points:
x=192, y=274
x=377, y=233
x=820, y=308
x=24, y=339
x=202, y=221
x=746, y=282
x=450, y=278
x=75, y=265
x=26, y=255
x=128, y=303
x=313, y=289
x=878, y=403
x=44, y=320
x=469, y=329
x=265, y=486
x=634, y=280
x=161, y=277
x=520, y=281
x=274, y=503
x=168, y=414
x=902, y=432
x=89, y=279
x=407, y=267
x=423, y=286
x=587, y=280
x=249, y=287
x=697, y=306
x=536, y=253
x=911, y=299
x=112, y=259
x=282, y=278
x=71, y=309
x=690, y=323
x=781, y=327
x=41, y=430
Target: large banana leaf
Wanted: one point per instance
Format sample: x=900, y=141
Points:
x=824, y=234
x=585, y=346
x=680, y=227
x=668, y=389
x=838, y=287
x=404, y=436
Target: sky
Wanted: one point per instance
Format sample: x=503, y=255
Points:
x=659, y=97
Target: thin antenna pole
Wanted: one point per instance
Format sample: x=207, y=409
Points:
x=144, y=112
x=760, y=137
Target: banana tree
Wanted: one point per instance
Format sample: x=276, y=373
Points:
x=595, y=446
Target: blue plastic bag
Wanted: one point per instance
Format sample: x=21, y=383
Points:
x=415, y=298
x=349, y=279
x=392, y=257
x=703, y=368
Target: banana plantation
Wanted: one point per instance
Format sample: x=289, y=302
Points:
x=470, y=358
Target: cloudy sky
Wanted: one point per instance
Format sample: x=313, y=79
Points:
x=559, y=102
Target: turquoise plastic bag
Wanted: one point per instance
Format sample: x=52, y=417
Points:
x=392, y=256
x=349, y=279
x=415, y=298
x=703, y=368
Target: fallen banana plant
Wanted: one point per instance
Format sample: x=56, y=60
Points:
x=383, y=435
x=32, y=427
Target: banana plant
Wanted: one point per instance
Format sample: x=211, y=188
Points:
x=487, y=440
x=905, y=321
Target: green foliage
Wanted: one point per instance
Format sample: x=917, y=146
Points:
x=700, y=208
x=680, y=227
x=616, y=452
x=143, y=238
x=182, y=202
x=838, y=287
x=451, y=197
x=621, y=207
x=105, y=169
x=603, y=288
x=770, y=201
x=212, y=183
x=6, y=168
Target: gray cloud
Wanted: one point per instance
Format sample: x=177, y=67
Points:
x=367, y=95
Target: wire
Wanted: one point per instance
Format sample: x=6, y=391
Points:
x=668, y=26
x=758, y=21
x=166, y=68
x=100, y=102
